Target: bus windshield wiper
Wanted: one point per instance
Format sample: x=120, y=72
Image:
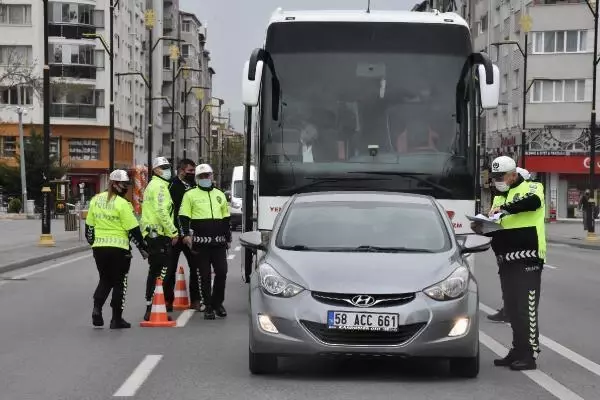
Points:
x=380, y=249
x=317, y=181
x=414, y=176
x=296, y=247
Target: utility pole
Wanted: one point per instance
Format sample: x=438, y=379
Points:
x=111, y=110
x=20, y=112
x=186, y=75
x=591, y=221
x=174, y=50
x=46, y=238
x=150, y=19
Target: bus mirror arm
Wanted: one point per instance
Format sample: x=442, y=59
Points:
x=264, y=57
x=488, y=75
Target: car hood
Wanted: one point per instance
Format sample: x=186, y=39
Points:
x=370, y=273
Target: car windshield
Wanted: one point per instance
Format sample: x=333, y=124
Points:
x=364, y=226
x=238, y=189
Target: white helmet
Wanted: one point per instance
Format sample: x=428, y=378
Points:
x=524, y=173
x=119, y=175
x=203, y=169
x=159, y=162
x=503, y=164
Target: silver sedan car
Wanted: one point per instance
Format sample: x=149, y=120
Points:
x=363, y=273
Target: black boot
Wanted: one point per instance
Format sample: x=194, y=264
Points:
x=506, y=361
x=500, y=316
x=148, y=312
x=524, y=363
x=97, y=319
x=221, y=312
x=118, y=322
x=209, y=313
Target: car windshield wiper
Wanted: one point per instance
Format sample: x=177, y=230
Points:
x=414, y=176
x=296, y=247
x=317, y=181
x=382, y=249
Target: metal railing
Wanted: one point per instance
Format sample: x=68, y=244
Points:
x=58, y=110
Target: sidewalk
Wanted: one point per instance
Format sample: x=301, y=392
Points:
x=19, y=243
x=571, y=234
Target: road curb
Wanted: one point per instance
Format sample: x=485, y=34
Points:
x=587, y=246
x=46, y=257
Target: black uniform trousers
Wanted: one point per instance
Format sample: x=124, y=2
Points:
x=113, y=267
x=521, y=286
x=215, y=256
x=171, y=273
x=159, y=258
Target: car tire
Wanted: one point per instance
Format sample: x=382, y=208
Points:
x=262, y=364
x=467, y=367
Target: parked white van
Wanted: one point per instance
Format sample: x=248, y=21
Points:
x=237, y=194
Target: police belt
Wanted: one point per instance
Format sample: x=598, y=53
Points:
x=209, y=239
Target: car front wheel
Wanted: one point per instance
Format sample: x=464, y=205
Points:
x=465, y=367
x=262, y=364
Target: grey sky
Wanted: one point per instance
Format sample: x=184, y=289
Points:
x=236, y=27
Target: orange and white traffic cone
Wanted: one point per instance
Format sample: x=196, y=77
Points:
x=158, y=316
x=182, y=301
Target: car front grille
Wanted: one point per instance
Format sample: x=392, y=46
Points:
x=381, y=300
x=373, y=338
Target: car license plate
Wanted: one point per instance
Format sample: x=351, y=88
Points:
x=362, y=321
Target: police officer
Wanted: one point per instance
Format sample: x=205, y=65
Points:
x=204, y=218
x=184, y=181
x=109, y=227
x=497, y=201
x=521, y=252
x=158, y=228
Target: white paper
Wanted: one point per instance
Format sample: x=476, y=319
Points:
x=487, y=224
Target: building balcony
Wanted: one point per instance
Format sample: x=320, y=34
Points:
x=73, y=71
x=83, y=111
x=70, y=31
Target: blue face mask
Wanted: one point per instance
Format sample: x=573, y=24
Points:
x=205, y=183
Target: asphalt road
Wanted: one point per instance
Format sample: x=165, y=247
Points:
x=48, y=349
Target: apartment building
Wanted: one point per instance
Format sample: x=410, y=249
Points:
x=558, y=91
x=184, y=122
x=79, y=70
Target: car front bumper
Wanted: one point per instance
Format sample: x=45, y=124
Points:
x=425, y=326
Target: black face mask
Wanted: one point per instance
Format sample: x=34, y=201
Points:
x=189, y=178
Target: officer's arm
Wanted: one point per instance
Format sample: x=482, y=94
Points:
x=130, y=224
x=530, y=202
x=226, y=219
x=163, y=212
x=90, y=222
x=185, y=215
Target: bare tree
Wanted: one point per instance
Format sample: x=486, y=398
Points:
x=19, y=71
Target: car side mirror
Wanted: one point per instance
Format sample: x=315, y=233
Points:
x=254, y=240
x=470, y=244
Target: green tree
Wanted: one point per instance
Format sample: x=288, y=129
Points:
x=10, y=177
x=232, y=154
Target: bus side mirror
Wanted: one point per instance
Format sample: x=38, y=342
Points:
x=489, y=92
x=251, y=88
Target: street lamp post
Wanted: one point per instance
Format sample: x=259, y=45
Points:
x=526, y=27
x=46, y=238
x=20, y=112
x=591, y=221
x=187, y=92
x=111, y=109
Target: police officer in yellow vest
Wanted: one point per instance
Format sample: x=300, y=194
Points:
x=521, y=252
x=158, y=227
x=204, y=220
x=497, y=201
x=109, y=227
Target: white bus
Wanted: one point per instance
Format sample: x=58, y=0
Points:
x=359, y=100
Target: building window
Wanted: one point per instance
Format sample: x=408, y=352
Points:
x=551, y=42
x=504, y=82
x=8, y=146
x=167, y=62
x=13, y=55
x=15, y=14
x=186, y=26
x=483, y=24
x=11, y=95
x=99, y=98
x=88, y=149
x=185, y=50
x=559, y=91
x=515, y=80
x=515, y=116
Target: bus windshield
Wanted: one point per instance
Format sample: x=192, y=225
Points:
x=366, y=98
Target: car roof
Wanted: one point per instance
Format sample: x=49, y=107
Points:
x=374, y=196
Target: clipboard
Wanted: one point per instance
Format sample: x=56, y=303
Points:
x=488, y=225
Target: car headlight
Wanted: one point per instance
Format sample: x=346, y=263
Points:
x=275, y=284
x=452, y=287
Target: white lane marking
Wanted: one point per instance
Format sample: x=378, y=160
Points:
x=237, y=248
x=550, y=266
x=138, y=376
x=48, y=268
x=231, y=256
x=184, y=318
x=559, y=348
x=553, y=387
